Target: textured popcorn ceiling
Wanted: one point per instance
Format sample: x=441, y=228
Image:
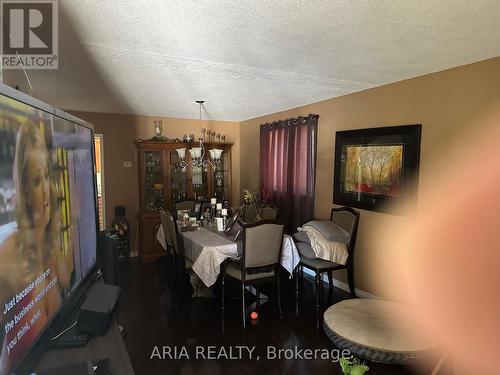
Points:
x=250, y=58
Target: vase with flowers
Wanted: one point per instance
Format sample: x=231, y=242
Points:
x=254, y=202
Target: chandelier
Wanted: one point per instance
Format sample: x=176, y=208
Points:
x=198, y=154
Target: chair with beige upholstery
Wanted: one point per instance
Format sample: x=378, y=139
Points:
x=183, y=265
x=252, y=214
x=268, y=213
x=184, y=205
x=260, y=259
x=249, y=213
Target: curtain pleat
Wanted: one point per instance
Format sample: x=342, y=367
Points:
x=288, y=167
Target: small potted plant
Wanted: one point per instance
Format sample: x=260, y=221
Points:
x=353, y=366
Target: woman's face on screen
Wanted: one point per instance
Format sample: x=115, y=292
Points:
x=37, y=187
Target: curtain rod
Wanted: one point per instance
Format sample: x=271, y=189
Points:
x=301, y=120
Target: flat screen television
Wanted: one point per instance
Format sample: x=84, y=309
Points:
x=48, y=218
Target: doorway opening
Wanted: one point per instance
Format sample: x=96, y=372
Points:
x=99, y=167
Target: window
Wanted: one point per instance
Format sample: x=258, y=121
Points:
x=288, y=167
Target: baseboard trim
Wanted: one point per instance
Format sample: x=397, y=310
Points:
x=341, y=285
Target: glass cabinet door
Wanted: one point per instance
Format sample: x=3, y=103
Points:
x=199, y=181
x=222, y=180
x=177, y=178
x=154, y=199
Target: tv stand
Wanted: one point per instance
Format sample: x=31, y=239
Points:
x=70, y=339
x=98, y=367
x=109, y=346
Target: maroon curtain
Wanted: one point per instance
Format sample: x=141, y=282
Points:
x=288, y=167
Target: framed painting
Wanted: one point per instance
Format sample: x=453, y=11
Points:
x=377, y=168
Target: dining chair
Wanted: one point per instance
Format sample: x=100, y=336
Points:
x=259, y=262
x=250, y=213
x=268, y=213
x=348, y=219
x=184, y=205
x=183, y=264
x=171, y=257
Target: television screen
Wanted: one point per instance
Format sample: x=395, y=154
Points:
x=48, y=230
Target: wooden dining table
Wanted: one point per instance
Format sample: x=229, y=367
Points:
x=208, y=249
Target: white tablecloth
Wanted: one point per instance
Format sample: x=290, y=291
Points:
x=290, y=256
x=208, y=250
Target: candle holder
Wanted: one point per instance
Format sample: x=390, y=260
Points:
x=212, y=210
x=224, y=217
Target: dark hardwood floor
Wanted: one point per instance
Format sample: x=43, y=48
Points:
x=151, y=318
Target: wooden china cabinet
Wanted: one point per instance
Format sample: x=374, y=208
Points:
x=162, y=182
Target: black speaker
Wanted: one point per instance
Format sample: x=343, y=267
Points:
x=107, y=255
x=96, y=312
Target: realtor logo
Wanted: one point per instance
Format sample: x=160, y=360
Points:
x=29, y=34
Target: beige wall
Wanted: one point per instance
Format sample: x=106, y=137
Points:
x=121, y=131
x=447, y=104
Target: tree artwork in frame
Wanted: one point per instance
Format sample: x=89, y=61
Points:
x=377, y=169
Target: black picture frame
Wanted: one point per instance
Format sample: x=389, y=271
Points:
x=203, y=206
x=237, y=229
x=395, y=182
x=232, y=221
